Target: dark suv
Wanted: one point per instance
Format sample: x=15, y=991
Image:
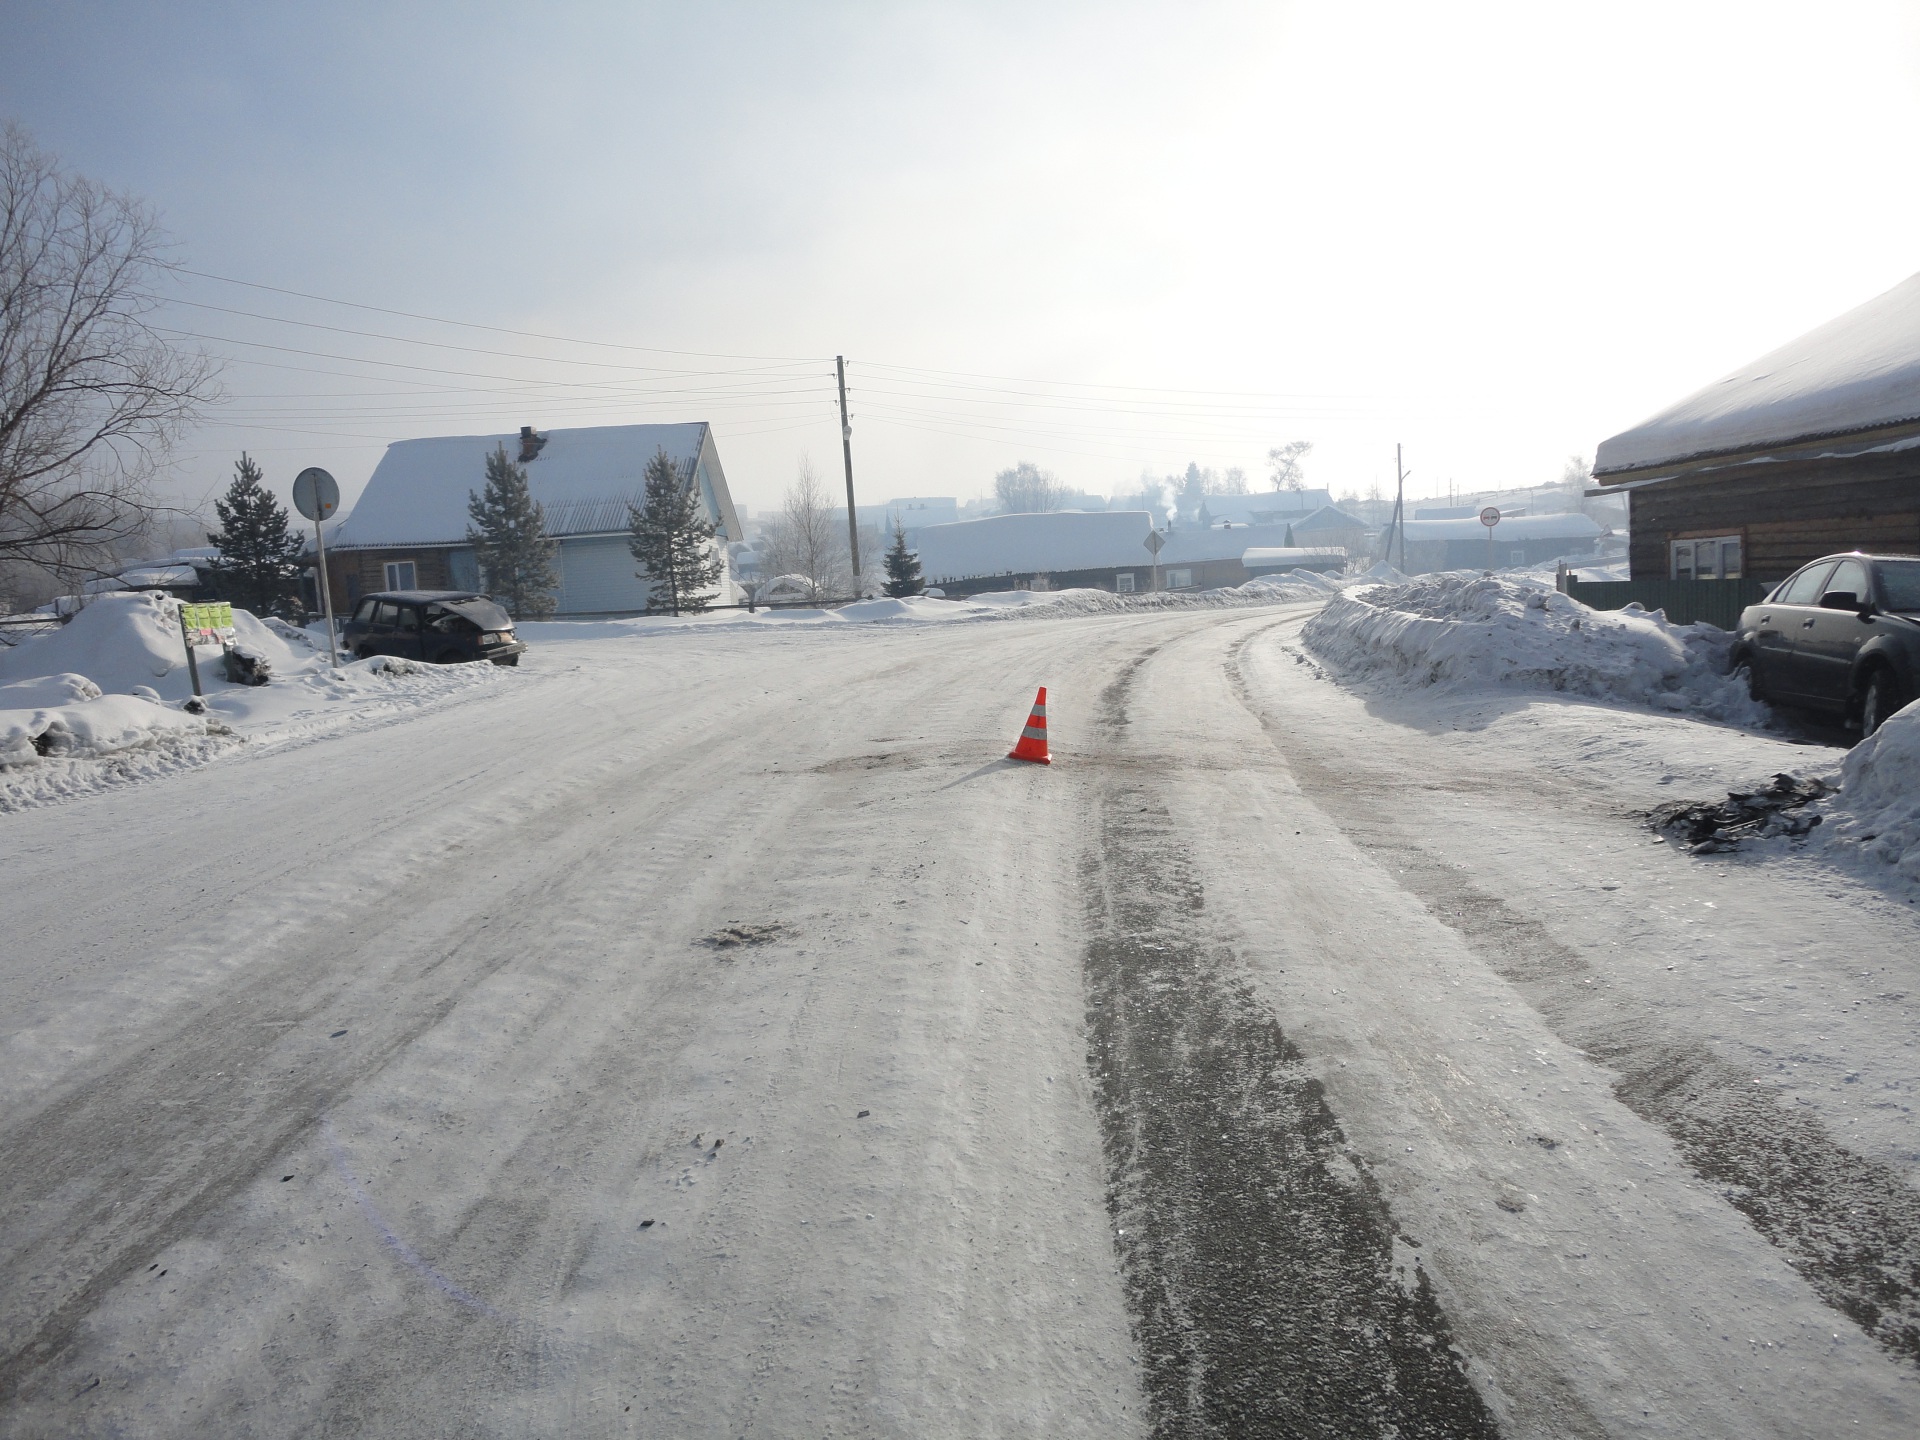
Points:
x=443, y=627
x=1841, y=635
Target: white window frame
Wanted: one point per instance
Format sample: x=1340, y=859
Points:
x=1124, y=582
x=1710, y=557
x=412, y=569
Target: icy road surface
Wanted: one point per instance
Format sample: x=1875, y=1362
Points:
x=712, y=1036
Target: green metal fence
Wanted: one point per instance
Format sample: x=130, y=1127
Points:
x=1718, y=602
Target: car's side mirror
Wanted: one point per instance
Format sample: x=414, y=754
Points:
x=1839, y=600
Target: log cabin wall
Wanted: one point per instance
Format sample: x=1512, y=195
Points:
x=363, y=572
x=1786, y=513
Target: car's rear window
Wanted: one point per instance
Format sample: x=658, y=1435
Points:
x=1805, y=588
x=1900, y=584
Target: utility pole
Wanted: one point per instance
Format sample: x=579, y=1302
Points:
x=846, y=454
x=1400, y=508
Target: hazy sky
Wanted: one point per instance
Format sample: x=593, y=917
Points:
x=1105, y=237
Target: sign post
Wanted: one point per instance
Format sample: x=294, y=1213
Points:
x=317, y=496
x=1490, y=517
x=209, y=622
x=1153, y=542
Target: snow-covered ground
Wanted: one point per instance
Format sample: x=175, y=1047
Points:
x=1466, y=631
x=98, y=702
x=709, y=1033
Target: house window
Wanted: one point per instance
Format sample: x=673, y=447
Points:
x=1124, y=582
x=1179, y=579
x=401, y=575
x=1717, y=558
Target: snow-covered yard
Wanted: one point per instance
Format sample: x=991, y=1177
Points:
x=702, y=1030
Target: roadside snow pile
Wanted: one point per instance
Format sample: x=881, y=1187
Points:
x=1877, y=812
x=86, y=728
x=1469, y=631
x=100, y=701
x=132, y=639
x=925, y=610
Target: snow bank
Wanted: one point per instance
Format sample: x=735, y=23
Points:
x=88, y=729
x=1877, y=813
x=97, y=702
x=1468, y=631
x=928, y=610
x=131, y=639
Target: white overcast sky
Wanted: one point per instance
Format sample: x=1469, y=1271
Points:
x=1106, y=238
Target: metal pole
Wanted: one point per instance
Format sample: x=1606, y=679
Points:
x=1400, y=509
x=326, y=594
x=1490, y=530
x=193, y=665
x=846, y=455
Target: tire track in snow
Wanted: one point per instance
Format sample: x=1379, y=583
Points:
x=1270, y=1292
x=1850, y=1225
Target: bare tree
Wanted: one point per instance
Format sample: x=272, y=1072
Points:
x=1027, y=489
x=91, y=395
x=1288, y=473
x=804, y=540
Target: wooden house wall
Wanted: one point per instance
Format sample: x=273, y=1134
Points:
x=1786, y=513
x=362, y=572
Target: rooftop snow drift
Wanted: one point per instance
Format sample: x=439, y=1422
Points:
x=1860, y=372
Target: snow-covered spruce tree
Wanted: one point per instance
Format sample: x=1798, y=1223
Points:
x=258, y=567
x=508, y=535
x=673, y=541
x=903, y=566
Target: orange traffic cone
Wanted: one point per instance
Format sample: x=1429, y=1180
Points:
x=1032, y=744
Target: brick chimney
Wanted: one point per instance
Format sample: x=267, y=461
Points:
x=530, y=443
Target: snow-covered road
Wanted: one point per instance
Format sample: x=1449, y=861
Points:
x=710, y=1035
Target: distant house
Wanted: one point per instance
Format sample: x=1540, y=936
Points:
x=1517, y=540
x=1269, y=507
x=1209, y=559
x=914, y=512
x=1280, y=559
x=1808, y=450
x=1330, y=526
x=1059, y=549
x=1101, y=550
x=408, y=530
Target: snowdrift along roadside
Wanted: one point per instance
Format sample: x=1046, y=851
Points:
x=1876, y=815
x=1476, y=631
x=1298, y=585
x=98, y=701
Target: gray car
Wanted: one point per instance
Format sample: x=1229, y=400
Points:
x=1840, y=636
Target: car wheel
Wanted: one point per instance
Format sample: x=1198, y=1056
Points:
x=448, y=657
x=1878, y=700
x=1745, y=669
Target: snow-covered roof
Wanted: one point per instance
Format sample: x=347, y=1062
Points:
x=1191, y=544
x=1570, y=525
x=1328, y=517
x=1280, y=557
x=159, y=577
x=1264, y=506
x=1058, y=540
x=584, y=479
x=1859, y=372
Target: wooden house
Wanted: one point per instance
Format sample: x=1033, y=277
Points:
x=1811, y=449
x=408, y=530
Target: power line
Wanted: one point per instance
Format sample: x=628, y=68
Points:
x=467, y=349
x=496, y=329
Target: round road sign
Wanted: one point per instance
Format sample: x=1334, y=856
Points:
x=315, y=495
x=1490, y=516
